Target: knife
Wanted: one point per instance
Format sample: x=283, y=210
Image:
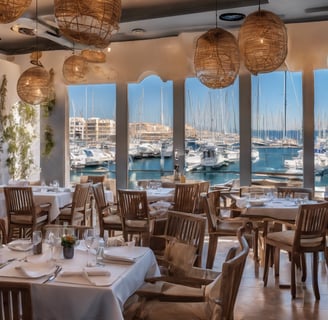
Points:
x=7, y=262
x=53, y=275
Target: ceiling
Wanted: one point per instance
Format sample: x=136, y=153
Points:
x=149, y=19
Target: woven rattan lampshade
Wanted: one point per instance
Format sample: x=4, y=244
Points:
x=88, y=22
x=216, y=58
x=75, y=68
x=263, y=42
x=95, y=56
x=10, y=10
x=33, y=85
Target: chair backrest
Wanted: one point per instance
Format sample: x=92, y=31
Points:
x=224, y=289
x=185, y=197
x=101, y=204
x=96, y=179
x=133, y=204
x=311, y=225
x=203, y=187
x=16, y=301
x=186, y=228
x=294, y=192
x=3, y=232
x=19, y=200
x=80, y=197
x=211, y=201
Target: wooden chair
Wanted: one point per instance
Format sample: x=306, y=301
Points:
x=166, y=300
x=75, y=212
x=184, y=227
x=23, y=215
x=134, y=211
x=106, y=219
x=294, y=192
x=218, y=226
x=3, y=232
x=203, y=187
x=185, y=197
x=308, y=235
x=16, y=301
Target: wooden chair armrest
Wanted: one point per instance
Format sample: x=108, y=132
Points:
x=69, y=205
x=189, y=281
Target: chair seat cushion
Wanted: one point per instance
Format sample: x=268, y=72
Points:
x=66, y=215
x=112, y=219
x=27, y=219
x=136, y=223
x=163, y=288
x=287, y=237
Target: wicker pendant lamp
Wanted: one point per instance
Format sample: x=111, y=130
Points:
x=88, y=22
x=10, y=10
x=75, y=68
x=263, y=42
x=216, y=59
x=33, y=84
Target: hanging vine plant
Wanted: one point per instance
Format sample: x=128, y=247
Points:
x=17, y=129
x=17, y=133
x=47, y=108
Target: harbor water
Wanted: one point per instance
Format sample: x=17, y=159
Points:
x=270, y=161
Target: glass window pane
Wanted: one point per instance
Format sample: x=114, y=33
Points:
x=212, y=132
x=150, y=129
x=277, y=134
x=92, y=130
x=321, y=129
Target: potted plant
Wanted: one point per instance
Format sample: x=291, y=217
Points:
x=68, y=242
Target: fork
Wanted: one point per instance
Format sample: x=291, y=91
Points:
x=53, y=275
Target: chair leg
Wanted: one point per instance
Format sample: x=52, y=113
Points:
x=315, y=276
x=276, y=253
x=212, y=245
x=267, y=259
x=292, y=277
x=303, y=266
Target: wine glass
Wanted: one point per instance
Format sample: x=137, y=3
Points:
x=89, y=240
x=52, y=239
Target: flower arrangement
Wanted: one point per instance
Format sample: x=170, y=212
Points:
x=68, y=240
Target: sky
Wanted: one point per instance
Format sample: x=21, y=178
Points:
x=152, y=101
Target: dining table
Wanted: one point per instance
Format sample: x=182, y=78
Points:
x=78, y=291
x=57, y=197
x=284, y=209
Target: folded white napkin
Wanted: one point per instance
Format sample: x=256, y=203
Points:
x=241, y=202
x=20, y=245
x=123, y=255
x=97, y=276
x=36, y=270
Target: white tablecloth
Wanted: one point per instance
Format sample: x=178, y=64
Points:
x=81, y=300
x=280, y=209
x=164, y=194
x=57, y=200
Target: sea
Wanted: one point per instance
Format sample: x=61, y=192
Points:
x=270, y=165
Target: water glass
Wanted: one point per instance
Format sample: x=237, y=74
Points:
x=89, y=241
x=37, y=242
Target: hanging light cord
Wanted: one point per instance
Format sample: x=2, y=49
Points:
x=37, y=33
x=216, y=13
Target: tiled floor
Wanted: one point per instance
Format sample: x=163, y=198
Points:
x=256, y=302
